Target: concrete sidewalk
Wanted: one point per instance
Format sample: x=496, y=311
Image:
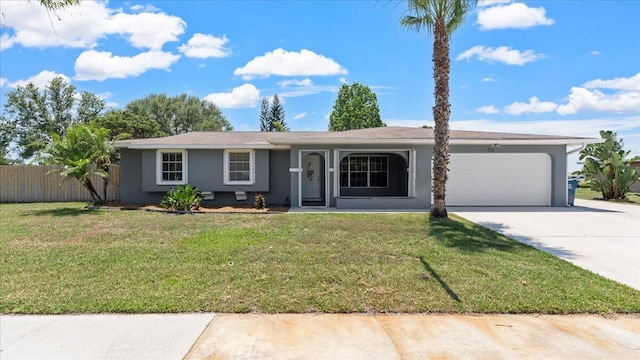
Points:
x=311, y=336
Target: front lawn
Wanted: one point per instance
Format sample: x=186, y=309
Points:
x=587, y=194
x=59, y=258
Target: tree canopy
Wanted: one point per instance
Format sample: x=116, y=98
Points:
x=355, y=108
x=608, y=168
x=32, y=115
x=180, y=114
x=123, y=124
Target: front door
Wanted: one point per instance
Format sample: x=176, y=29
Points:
x=311, y=178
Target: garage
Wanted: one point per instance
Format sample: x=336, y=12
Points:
x=499, y=180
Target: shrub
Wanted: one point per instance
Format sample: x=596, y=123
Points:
x=185, y=198
x=260, y=202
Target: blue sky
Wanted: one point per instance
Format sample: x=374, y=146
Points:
x=543, y=67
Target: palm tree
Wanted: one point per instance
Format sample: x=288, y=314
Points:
x=82, y=152
x=440, y=17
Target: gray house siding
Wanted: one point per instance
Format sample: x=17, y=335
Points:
x=205, y=170
x=280, y=186
x=420, y=200
x=558, y=154
x=131, y=175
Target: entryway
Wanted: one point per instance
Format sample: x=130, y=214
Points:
x=313, y=180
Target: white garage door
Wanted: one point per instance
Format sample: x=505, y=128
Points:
x=499, y=180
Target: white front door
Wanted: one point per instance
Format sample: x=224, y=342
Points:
x=311, y=176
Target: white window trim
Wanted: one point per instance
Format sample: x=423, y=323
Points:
x=412, y=163
x=368, y=172
x=252, y=167
x=185, y=171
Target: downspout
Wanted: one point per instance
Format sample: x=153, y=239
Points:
x=566, y=192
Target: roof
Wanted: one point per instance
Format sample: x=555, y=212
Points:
x=373, y=136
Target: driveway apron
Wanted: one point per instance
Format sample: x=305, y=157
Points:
x=598, y=236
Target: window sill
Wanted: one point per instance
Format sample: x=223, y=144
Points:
x=165, y=183
x=239, y=182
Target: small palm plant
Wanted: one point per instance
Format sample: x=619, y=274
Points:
x=185, y=198
x=82, y=152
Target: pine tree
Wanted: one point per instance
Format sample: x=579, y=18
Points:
x=276, y=114
x=272, y=115
x=264, y=115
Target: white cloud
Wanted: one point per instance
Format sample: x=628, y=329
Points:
x=595, y=52
x=102, y=65
x=290, y=63
x=488, y=109
x=307, y=90
x=204, y=46
x=300, y=116
x=6, y=41
x=582, y=99
x=3, y=82
x=243, y=96
x=303, y=82
x=588, y=97
x=488, y=79
x=501, y=54
x=513, y=15
x=40, y=80
x=84, y=25
x=148, y=7
x=533, y=106
x=631, y=83
x=146, y=30
x=483, y=3
x=343, y=80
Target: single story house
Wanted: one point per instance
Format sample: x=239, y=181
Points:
x=377, y=168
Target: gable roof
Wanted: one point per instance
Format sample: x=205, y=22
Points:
x=372, y=136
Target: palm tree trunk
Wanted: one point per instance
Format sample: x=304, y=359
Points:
x=441, y=113
x=92, y=190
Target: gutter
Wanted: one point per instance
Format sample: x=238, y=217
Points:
x=576, y=150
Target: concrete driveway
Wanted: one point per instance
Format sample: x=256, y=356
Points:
x=598, y=236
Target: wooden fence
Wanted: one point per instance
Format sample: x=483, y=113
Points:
x=27, y=183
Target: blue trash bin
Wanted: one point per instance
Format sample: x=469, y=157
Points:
x=571, y=188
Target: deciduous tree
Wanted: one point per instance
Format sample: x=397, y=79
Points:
x=126, y=125
x=35, y=114
x=355, y=108
x=180, y=114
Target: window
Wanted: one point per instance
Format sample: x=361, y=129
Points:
x=239, y=167
x=171, y=167
x=358, y=171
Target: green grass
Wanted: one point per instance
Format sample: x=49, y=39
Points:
x=59, y=258
x=587, y=194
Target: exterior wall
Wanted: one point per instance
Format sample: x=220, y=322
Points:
x=280, y=186
x=420, y=200
x=635, y=187
x=205, y=171
x=558, y=154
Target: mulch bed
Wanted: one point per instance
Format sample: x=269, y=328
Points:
x=225, y=209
